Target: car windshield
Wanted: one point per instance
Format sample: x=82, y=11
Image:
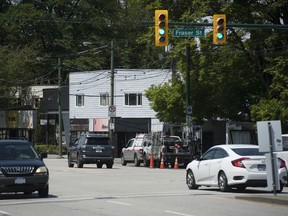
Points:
x=15, y=151
x=98, y=141
x=285, y=143
x=171, y=139
x=247, y=151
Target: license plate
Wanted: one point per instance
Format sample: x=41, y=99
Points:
x=262, y=167
x=98, y=150
x=20, y=181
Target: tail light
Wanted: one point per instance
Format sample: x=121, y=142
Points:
x=281, y=163
x=238, y=162
x=83, y=148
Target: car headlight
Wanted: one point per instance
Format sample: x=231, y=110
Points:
x=41, y=171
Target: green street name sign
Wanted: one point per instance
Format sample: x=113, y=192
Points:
x=188, y=33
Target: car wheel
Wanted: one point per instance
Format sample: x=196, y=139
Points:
x=146, y=161
x=190, y=180
x=123, y=162
x=70, y=164
x=281, y=187
x=43, y=192
x=99, y=165
x=222, y=182
x=109, y=165
x=157, y=163
x=136, y=161
x=79, y=162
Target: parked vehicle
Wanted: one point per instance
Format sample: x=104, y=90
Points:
x=91, y=148
x=231, y=166
x=284, y=154
x=133, y=151
x=22, y=169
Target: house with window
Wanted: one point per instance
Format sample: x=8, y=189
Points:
x=90, y=108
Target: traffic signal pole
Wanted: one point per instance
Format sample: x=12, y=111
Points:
x=188, y=99
x=228, y=25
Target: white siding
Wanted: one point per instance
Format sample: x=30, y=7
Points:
x=91, y=84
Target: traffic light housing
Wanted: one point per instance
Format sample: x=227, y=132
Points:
x=219, y=29
x=161, y=27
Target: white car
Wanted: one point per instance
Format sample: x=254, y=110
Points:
x=133, y=151
x=228, y=166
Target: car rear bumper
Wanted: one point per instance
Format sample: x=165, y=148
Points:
x=87, y=159
x=247, y=178
x=181, y=157
x=23, y=184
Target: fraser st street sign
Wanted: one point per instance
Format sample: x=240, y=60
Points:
x=188, y=33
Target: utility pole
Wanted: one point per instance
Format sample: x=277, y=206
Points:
x=188, y=100
x=59, y=108
x=112, y=74
x=111, y=120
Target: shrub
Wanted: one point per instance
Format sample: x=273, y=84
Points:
x=49, y=148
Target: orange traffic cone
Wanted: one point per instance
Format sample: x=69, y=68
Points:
x=162, y=164
x=176, y=163
x=151, y=161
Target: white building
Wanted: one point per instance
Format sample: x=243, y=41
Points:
x=89, y=102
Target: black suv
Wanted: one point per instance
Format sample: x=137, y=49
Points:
x=22, y=169
x=91, y=148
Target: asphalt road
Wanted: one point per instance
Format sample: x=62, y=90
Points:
x=136, y=191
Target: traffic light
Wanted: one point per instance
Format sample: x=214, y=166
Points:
x=161, y=27
x=219, y=29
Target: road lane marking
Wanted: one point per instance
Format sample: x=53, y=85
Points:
x=2, y=213
x=120, y=203
x=177, y=213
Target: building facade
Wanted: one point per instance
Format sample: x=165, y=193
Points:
x=90, y=108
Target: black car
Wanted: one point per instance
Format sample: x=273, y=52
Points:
x=91, y=148
x=22, y=169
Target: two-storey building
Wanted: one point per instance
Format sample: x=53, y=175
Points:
x=90, y=108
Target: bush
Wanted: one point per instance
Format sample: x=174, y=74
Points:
x=49, y=149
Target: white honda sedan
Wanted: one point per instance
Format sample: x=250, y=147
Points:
x=228, y=166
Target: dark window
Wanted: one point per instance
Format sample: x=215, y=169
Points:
x=220, y=153
x=208, y=155
x=247, y=151
x=133, y=99
x=79, y=100
x=97, y=141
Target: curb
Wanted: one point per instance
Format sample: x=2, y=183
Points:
x=276, y=200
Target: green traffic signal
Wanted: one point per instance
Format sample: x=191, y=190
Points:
x=220, y=36
x=161, y=31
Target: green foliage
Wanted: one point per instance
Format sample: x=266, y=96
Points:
x=244, y=80
x=49, y=149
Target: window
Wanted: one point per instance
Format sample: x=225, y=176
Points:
x=133, y=99
x=104, y=99
x=208, y=155
x=220, y=153
x=79, y=100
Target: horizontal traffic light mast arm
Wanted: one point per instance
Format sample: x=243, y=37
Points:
x=237, y=25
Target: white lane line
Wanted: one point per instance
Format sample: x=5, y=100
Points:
x=120, y=203
x=2, y=213
x=177, y=213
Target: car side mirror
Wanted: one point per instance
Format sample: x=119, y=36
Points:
x=43, y=155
